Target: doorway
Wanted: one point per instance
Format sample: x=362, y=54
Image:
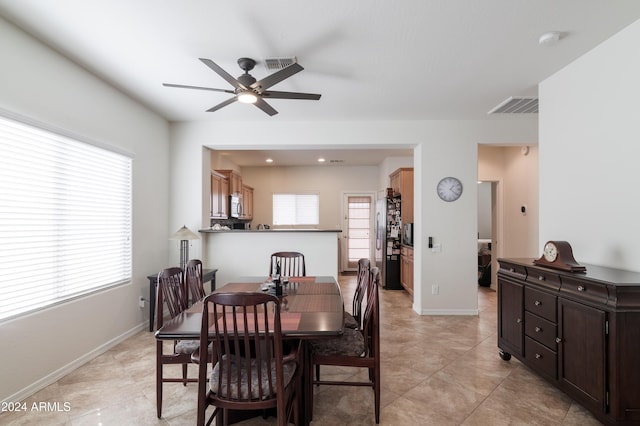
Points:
x=357, y=230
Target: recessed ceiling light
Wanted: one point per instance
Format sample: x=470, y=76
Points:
x=269, y=160
x=321, y=160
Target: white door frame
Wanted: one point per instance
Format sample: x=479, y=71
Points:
x=344, y=260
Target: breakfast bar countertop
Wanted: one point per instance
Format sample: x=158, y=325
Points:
x=209, y=230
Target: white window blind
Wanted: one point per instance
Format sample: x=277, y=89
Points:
x=65, y=218
x=296, y=209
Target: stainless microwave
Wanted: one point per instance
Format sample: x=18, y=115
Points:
x=235, y=206
x=407, y=234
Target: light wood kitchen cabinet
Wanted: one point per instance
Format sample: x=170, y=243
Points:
x=401, y=181
x=235, y=181
x=219, y=196
x=406, y=268
x=247, y=202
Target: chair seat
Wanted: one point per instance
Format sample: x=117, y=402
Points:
x=187, y=346
x=288, y=370
x=350, y=321
x=351, y=343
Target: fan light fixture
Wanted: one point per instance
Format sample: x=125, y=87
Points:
x=247, y=97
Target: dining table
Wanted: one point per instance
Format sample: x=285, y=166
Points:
x=311, y=307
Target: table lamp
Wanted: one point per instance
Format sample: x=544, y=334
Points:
x=184, y=234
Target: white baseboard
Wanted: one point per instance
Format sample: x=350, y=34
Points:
x=450, y=312
x=63, y=371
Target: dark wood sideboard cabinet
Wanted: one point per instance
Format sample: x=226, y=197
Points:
x=580, y=331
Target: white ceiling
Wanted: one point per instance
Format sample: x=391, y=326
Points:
x=370, y=60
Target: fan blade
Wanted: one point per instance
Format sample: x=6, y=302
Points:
x=277, y=77
x=182, y=86
x=222, y=104
x=222, y=73
x=260, y=103
x=290, y=95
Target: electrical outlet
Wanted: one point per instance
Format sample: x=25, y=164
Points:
x=435, y=289
x=141, y=302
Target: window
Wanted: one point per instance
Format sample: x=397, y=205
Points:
x=65, y=218
x=358, y=228
x=296, y=209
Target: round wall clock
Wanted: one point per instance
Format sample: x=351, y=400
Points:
x=449, y=189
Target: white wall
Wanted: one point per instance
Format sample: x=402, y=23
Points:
x=41, y=85
x=517, y=185
x=390, y=165
x=589, y=150
x=328, y=181
x=442, y=148
x=240, y=254
x=484, y=210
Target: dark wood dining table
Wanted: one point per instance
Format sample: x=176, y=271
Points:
x=311, y=308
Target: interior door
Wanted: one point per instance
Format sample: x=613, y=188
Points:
x=357, y=230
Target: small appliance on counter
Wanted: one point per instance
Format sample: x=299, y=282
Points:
x=407, y=234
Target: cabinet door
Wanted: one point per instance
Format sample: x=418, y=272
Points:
x=214, y=207
x=247, y=202
x=510, y=316
x=581, y=352
x=406, y=269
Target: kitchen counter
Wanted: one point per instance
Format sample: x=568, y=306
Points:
x=213, y=231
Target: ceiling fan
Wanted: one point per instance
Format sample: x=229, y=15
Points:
x=248, y=90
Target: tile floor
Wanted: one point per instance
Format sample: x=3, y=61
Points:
x=436, y=370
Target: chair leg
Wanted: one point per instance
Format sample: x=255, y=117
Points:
x=376, y=392
x=184, y=374
x=318, y=372
x=159, y=391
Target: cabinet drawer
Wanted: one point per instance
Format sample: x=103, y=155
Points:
x=540, y=303
x=541, y=358
x=543, y=278
x=586, y=290
x=512, y=269
x=541, y=330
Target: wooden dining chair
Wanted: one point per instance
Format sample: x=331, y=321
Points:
x=193, y=277
x=172, y=295
x=248, y=370
x=289, y=263
x=354, y=319
x=355, y=348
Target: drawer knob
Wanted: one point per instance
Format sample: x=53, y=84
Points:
x=538, y=356
x=519, y=320
x=537, y=303
x=512, y=270
x=540, y=277
x=558, y=340
x=538, y=329
x=581, y=288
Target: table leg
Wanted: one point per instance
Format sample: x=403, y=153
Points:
x=305, y=398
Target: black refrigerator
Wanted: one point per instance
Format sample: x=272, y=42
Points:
x=388, y=227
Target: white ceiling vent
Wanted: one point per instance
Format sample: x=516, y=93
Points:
x=279, y=63
x=522, y=105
